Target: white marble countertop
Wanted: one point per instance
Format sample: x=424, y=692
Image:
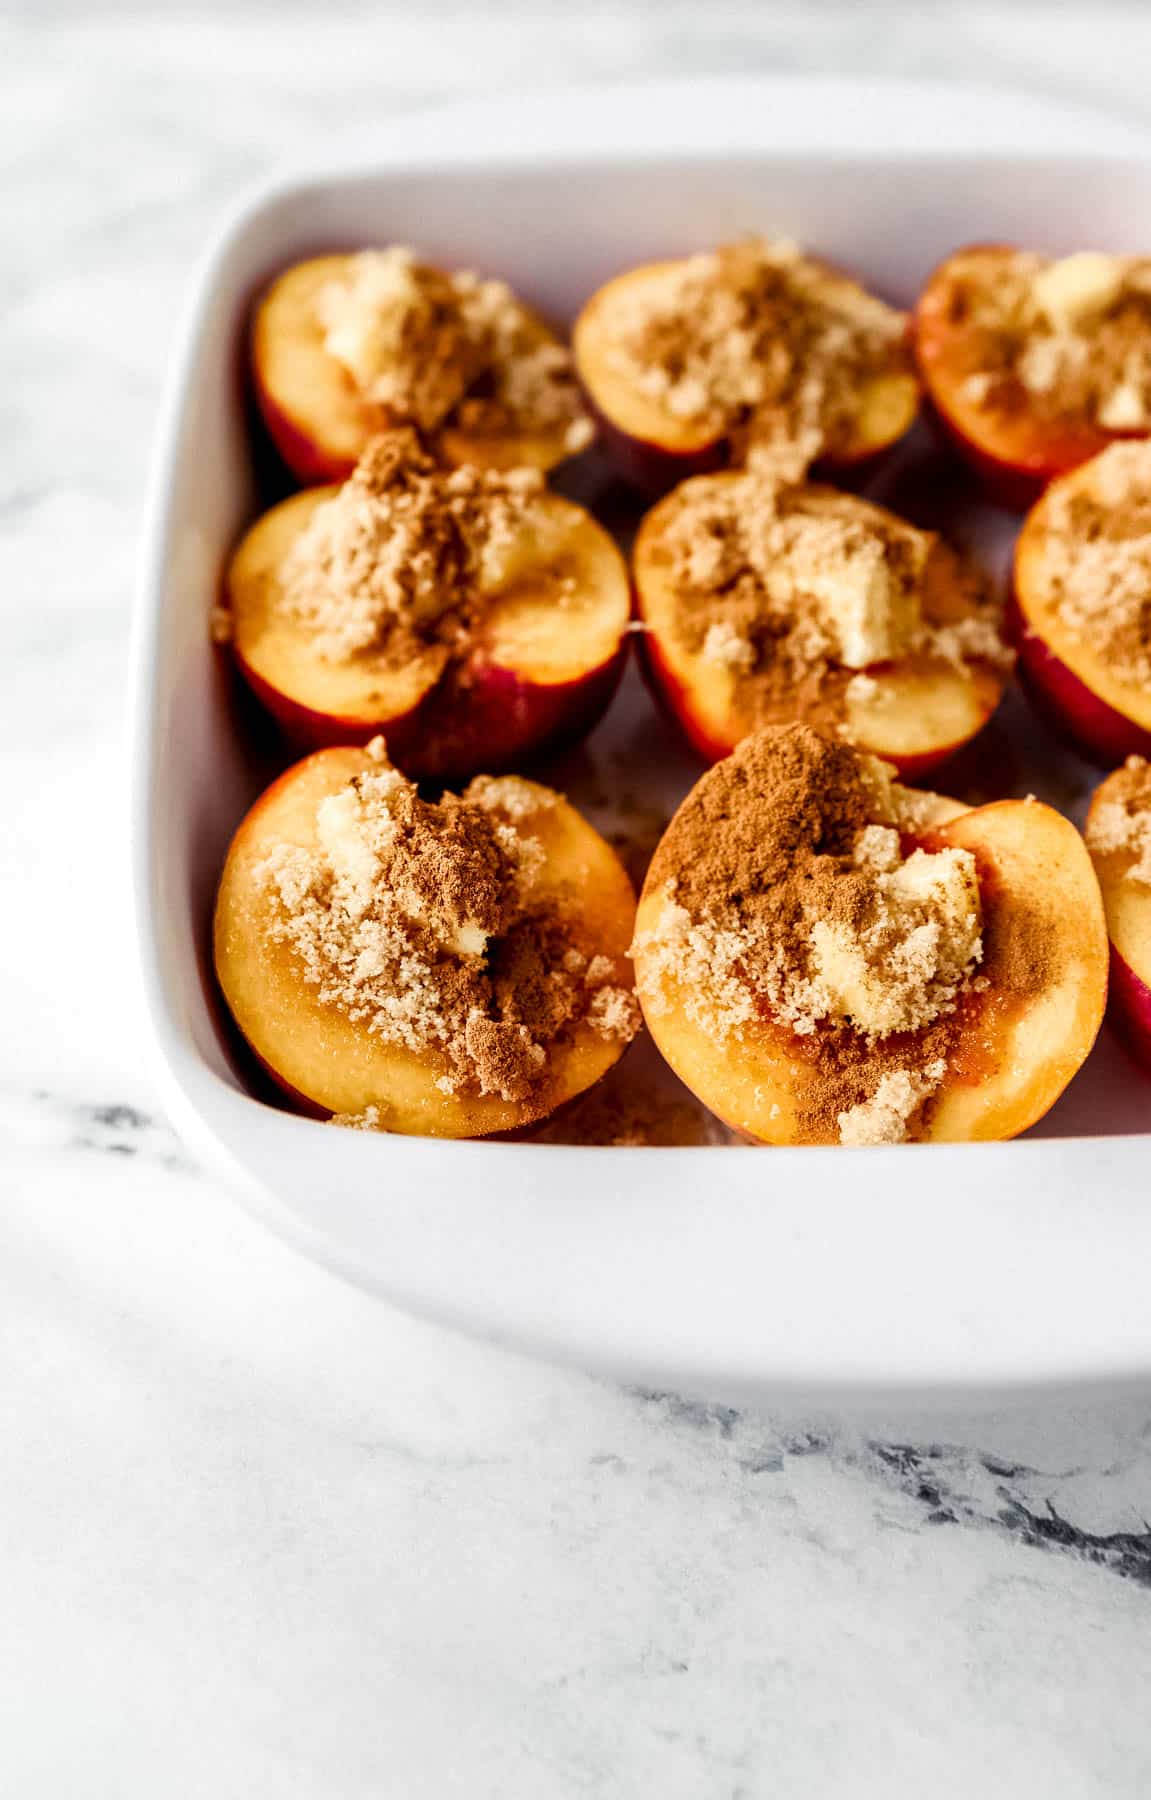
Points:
x=258, y=1534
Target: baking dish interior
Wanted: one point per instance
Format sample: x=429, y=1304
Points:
x=555, y=232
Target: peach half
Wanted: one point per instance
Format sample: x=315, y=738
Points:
x=1104, y=713
x=1127, y=902
x=915, y=713
x=326, y=1062
x=1015, y=448
x=540, y=666
x=1016, y=1051
x=318, y=418
x=653, y=447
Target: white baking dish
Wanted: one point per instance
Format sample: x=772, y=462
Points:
x=968, y=1269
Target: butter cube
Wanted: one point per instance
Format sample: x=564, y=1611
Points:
x=1123, y=409
x=927, y=932
x=871, y=617
x=1078, y=288
x=945, y=887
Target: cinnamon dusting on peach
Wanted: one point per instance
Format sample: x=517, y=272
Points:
x=786, y=893
x=436, y=961
x=469, y=614
x=400, y=557
x=818, y=974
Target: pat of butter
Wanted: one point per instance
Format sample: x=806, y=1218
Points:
x=464, y=937
x=364, y=316
x=871, y=617
x=1078, y=288
x=1123, y=409
x=930, y=932
x=946, y=886
x=352, y=859
x=470, y=939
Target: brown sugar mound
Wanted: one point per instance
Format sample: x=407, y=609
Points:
x=795, y=590
x=767, y=342
x=430, y=348
x=1121, y=824
x=1068, y=339
x=400, y=557
x=422, y=920
x=1097, y=559
x=791, y=904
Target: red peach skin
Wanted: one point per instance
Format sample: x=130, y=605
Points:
x=1073, y=711
x=1130, y=1010
x=496, y=717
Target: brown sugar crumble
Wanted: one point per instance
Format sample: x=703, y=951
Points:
x=398, y=561
x=424, y=922
x=765, y=341
x=1097, y=559
x=370, y=1118
x=1068, y=339
x=796, y=591
x=788, y=900
x=431, y=348
x=1121, y=824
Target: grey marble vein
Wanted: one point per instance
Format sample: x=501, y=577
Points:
x=260, y=1535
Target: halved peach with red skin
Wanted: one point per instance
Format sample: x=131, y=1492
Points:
x=1080, y=695
x=1128, y=907
x=915, y=714
x=1015, y=452
x=317, y=418
x=327, y=1063
x=1017, y=1048
x=654, y=448
x=540, y=671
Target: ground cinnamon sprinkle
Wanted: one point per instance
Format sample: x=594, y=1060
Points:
x=761, y=339
x=423, y=921
x=796, y=590
x=790, y=905
x=1096, y=559
x=1121, y=824
x=432, y=348
x=400, y=558
x=1068, y=339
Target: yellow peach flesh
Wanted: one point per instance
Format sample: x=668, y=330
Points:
x=1016, y=1055
x=317, y=417
x=886, y=405
x=338, y=1066
x=544, y=634
x=914, y=712
x=1041, y=618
